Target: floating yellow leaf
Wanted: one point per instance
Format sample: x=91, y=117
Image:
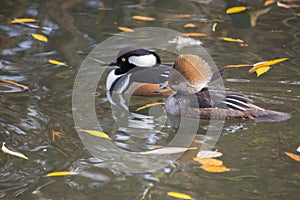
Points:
x=56, y=62
x=213, y=168
x=24, y=87
x=229, y=39
x=143, y=18
x=23, y=20
x=179, y=195
x=298, y=14
x=149, y=105
x=238, y=66
x=62, y=173
x=13, y=153
x=39, y=37
x=262, y=70
x=97, y=133
x=293, y=156
x=125, y=29
x=194, y=34
x=265, y=64
x=208, y=161
x=146, y=192
x=236, y=9
x=168, y=150
x=189, y=25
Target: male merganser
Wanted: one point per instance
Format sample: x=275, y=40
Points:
x=189, y=79
x=139, y=72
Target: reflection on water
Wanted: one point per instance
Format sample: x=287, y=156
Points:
x=253, y=151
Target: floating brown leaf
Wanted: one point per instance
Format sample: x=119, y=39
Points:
x=149, y=105
x=293, y=156
x=213, y=168
x=194, y=34
x=143, y=18
x=24, y=87
x=125, y=29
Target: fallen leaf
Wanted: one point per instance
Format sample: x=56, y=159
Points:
x=238, y=66
x=184, y=16
x=262, y=70
x=213, y=168
x=61, y=173
x=236, y=9
x=24, y=87
x=23, y=20
x=209, y=154
x=269, y=2
x=179, y=195
x=265, y=64
x=208, y=161
x=282, y=5
x=39, y=37
x=56, y=62
x=298, y=14
x=194, y=34
x=229, y=39
x=97, y=133
x=189, y=25
x=143, y=18
x=146, y=192
x=149, y=105
x=214, y=26
x=168, y=150
x=13, y=153
x=293, y=156
x=57, y=134
x=125, y=29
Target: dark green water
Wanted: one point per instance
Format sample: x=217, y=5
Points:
x=253, y=151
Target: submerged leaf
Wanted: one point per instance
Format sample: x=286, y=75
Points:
x=179, y=195
x=13, y=153
x=23, y=20
x=39, y=37
x=143, y=18
x=168, y=150
x=262, y=70
x=96, y=133
x=293, y=156
x=125, y=29
x=24, y=87
x=236, y=9
x=62, y=173
x=213, y=168
x=56, y=62
x=149, y=105
x=208, y=161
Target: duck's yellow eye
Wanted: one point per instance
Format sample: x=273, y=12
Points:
x=123, y=59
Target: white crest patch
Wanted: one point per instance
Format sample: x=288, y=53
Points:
x=143, y=61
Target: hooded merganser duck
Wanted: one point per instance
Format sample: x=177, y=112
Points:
x=190, y=77
x=139, y=72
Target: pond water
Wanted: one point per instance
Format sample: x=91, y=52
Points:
x=253, y=151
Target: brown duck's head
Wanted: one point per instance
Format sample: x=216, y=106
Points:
x=190, y=74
